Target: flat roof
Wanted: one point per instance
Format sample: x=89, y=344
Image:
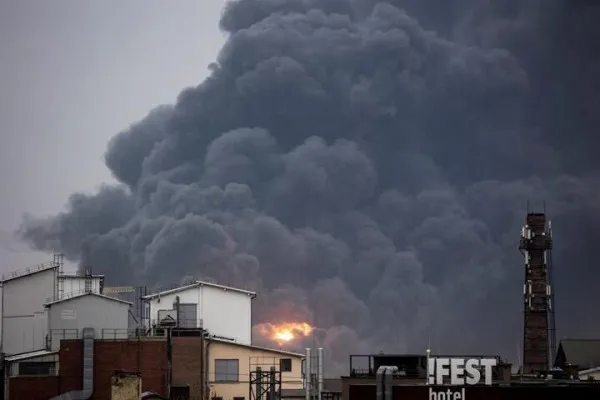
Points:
x=88, y=294
x=250, y=346
x=198, y=284
x=31, y=354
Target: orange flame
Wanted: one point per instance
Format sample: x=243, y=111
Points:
x=285, y=332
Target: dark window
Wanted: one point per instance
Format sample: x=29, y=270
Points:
x=37, y=368
x=239, y=398
x=285, y=365
x=227, y=370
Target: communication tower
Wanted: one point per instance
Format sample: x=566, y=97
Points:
x=539, y=340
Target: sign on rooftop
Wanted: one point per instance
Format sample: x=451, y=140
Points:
x=457, y=372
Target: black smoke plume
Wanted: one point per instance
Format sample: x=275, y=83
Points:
x=366, y=167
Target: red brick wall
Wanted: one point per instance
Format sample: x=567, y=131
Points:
x=146, y=357
x=187, y=364
x=33, y=388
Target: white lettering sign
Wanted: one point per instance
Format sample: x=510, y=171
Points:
x=68, y=314
x=461, y=371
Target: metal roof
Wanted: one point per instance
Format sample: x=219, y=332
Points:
x=27, y=272
x=88, y=294
x=31, y=354
x=584, y=353
x=250, y=346
x=198, y=284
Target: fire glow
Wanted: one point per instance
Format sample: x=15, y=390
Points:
x=285, y=332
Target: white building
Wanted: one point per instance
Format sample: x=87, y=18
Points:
x=221, y=310
x=24, y=322
x=70, y=285
x=107, y=315
x=591, y=374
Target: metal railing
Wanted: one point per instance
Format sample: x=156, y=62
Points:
x=122, y=334
x=29, y=270
x=66, y=334
x=71, y=294
x=182, y=323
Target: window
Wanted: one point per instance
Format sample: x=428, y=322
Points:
x=227, y=370
x=37, y=368
x=285, y=365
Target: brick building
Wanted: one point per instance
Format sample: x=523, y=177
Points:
x=147, y=357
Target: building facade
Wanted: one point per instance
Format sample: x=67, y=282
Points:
x=146, y=357
x=232, y=367
x=24, y=320
x=68, y=316
x=221, y=310
x=71, y=285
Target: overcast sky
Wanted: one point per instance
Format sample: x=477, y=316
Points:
x=74, y=73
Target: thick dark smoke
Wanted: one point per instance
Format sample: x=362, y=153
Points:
x=366, y=166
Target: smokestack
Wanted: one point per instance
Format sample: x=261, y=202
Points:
x=320, y=371
x=307, y=375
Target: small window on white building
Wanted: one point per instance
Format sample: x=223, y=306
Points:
x=227, y=370
x=285, y=365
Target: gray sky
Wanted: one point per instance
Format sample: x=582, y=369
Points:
x=74, y=73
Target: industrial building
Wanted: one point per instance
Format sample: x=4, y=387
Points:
x=188, y=363
x=68, y=316
x=409, y=381
x=24, y=319
x=236, y=370
x=203, y=305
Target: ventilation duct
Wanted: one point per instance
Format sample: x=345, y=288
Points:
x=88, y=370
x=385, y=383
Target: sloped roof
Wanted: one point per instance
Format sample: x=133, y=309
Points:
x=584, y=353
x=249, y=346
x=30, y=354
x=88, y=294
x=195, y=285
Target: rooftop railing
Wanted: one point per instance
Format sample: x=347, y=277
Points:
x=29, y=270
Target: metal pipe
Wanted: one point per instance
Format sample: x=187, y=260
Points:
x=320, y=371
x=307, y=375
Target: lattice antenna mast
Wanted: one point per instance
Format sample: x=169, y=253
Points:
x=538, y=327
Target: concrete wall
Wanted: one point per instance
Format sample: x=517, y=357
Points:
x=69, y=285
x=249, y=358
x=108, y=317
x=24, y=325
x=223, y=312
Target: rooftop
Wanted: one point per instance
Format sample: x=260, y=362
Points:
x=195, y=285
x=249, y=346
x=78, y=295
x=28, y=271
x=30, y=354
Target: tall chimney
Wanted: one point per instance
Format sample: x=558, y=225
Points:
x=320, y=372
x=307, y=375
